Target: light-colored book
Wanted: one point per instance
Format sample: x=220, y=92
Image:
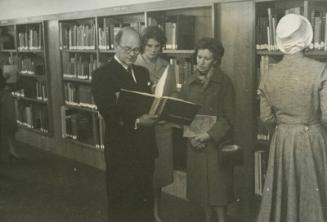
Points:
x=200, y=124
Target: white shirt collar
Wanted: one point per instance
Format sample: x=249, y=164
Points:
x=121, y=63
x=125, y=67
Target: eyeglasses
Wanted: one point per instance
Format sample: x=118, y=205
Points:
x=129, y=50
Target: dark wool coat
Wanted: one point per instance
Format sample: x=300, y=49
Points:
x=207, y=181
x=129, y=153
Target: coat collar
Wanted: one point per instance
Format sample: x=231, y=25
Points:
x=216, y=77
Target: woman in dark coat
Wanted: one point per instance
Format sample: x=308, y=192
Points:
x=208, y=182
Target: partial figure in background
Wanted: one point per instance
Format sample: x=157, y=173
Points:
x=8, y=114
x=294, y=100
x=208, y=182
x=152, y=41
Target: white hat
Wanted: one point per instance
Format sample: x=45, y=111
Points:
x=293, y=33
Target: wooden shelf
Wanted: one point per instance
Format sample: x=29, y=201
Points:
x=8, y=50
x=81, y=107
x=30, y=50
x=266, y=52
x=33, y=130
x=108, y=51
x=316, y=53
x=32, y=75
x=73, y=79
x=175, y=52
x=85, y=145
x=31, y=99
x=311, y=53
x=79, y=50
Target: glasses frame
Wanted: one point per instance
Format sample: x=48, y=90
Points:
x=129, y=50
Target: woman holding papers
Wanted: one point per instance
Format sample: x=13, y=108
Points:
x=208, y=182
x=164, y=83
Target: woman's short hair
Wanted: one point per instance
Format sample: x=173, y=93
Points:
x=152, y=32
x=213, y=45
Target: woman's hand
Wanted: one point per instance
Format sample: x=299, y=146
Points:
x=197, y=145
x=203, y=137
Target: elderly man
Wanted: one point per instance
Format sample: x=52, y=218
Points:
x=130, y=147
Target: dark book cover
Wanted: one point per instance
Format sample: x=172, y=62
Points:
x=177, y=111
x=167, y=108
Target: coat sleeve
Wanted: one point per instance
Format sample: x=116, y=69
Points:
x=104, y=96
x=266, y=113
x=225, y=116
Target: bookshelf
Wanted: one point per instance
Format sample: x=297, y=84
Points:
x=231, y=21
x=80, y=121
x=267, y=54
x=27, y=49
x=80, y=56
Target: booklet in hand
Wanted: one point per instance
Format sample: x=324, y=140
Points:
x=200, y=124
x=167, y=108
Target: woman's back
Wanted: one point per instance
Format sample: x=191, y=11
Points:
x=293, y=90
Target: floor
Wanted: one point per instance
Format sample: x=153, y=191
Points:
x=43, y=187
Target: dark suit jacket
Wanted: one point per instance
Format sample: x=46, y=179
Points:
x=123, y=144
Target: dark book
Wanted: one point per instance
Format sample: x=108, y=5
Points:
x=167, y=108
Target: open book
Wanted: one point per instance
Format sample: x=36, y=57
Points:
x=167, y=108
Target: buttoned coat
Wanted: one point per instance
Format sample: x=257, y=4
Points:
x=293, y=96
x=208, y=182
x=129, y=153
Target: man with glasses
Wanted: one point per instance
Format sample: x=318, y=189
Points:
x=129, y=138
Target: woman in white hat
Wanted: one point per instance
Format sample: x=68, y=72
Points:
x=294, y=100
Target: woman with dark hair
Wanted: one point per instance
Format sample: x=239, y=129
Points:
x=209, y=183
x=152, y=41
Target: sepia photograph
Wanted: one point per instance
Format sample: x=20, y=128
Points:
x=163, y=111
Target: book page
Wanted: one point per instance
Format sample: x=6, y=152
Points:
x=137, y=92
x=159, y=91
x=200, y=124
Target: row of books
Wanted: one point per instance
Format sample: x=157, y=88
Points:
x=266, y=28
x=183, y=70
x=31, y=88
x=179, y=31
x=79, y=66
x=263, y=133
x=82, y=126
x=77, y=37
x=31, y=66
x=107, y=33
x=79, y=95
x=319, y=25
x=260, y=169
x=30, y=39
x=32, y=116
